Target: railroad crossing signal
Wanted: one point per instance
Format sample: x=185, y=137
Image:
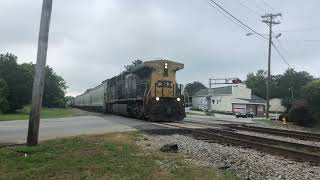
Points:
x=224, y=81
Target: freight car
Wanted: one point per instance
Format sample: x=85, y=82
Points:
x=148, y=91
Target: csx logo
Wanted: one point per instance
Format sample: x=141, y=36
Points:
x=164, y=84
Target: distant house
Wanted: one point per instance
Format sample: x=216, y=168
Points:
x=276, y=106
x=229, y=99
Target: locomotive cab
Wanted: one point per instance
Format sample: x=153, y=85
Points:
x=164, y=100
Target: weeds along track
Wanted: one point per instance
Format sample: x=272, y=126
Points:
x=227, y=135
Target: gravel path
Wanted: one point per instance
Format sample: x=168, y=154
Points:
x=312, y=143
x=245, y=163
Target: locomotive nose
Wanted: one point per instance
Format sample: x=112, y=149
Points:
x=169, y=111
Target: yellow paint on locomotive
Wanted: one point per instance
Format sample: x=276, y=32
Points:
x=163, y=77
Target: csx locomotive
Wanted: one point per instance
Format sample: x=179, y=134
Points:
x=148, y=91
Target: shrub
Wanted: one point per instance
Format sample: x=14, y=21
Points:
x=4, y=92
x=300, y=113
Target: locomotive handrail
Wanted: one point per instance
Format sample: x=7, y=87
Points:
x=148, y=93
x=144, y=95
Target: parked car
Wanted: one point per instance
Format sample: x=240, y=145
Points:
x=244, y=114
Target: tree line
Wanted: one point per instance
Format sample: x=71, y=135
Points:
x=16, y=81
x=299, y=91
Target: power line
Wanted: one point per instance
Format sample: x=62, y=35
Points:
x=281, y=46
x=268, y=5
x=232, y=20
x=239, y=21
x=305, y=40
x=301, y=29
x=258, y=6
x=282, y=57
x=250, y=9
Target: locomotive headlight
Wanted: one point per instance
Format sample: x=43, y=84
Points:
x=178, y=99
x=166, y=65
x=157, y=98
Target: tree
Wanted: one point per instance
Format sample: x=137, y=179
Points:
x=54, y=89
x=133, y=64
x=13, y=75
x=19, y=81
x=4, y=93
x=192, y=88
x=257, y=83
x=281, y=85
x=311, y=92
x=300, y=113
x=291, y=83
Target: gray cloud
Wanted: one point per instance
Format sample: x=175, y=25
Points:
x=91, y=40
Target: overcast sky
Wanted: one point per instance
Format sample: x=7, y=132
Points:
x=91, y=40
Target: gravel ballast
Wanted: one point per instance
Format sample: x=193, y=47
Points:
x=245, y=163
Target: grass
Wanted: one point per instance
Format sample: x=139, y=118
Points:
x=263, y=122
x=112, y=156
x=46, y=113
x=198, y=114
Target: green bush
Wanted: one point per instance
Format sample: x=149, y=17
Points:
x=4, y=93
x=301, y=114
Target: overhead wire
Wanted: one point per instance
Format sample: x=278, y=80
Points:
x=246, y=26
x=301, y=29
x=305, y=40
x=232, y=20
x=280, y=54
x=282, y=47
x=247, y=7
x=238, y=20
x=268, y=5
x=258, y=7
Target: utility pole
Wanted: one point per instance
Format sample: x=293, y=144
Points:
x=38, y=83
x=291, y=89
x=210, y=96
x=269, y=20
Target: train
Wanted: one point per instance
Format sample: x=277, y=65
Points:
x=148, y=91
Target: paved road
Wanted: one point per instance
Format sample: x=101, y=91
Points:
x=90, y=123
x=16, y=131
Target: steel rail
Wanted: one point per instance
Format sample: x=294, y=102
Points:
x=287, y=133
x=287, y=149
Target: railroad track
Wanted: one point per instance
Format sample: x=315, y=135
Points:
x=296, y=151
x=286, y=133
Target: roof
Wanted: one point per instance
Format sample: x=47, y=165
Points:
x=257, y=99
x=202, y=92
x=215, y=91
x=254, y=99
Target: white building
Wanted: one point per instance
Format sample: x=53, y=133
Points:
x=276, y=106
x=229, y=99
